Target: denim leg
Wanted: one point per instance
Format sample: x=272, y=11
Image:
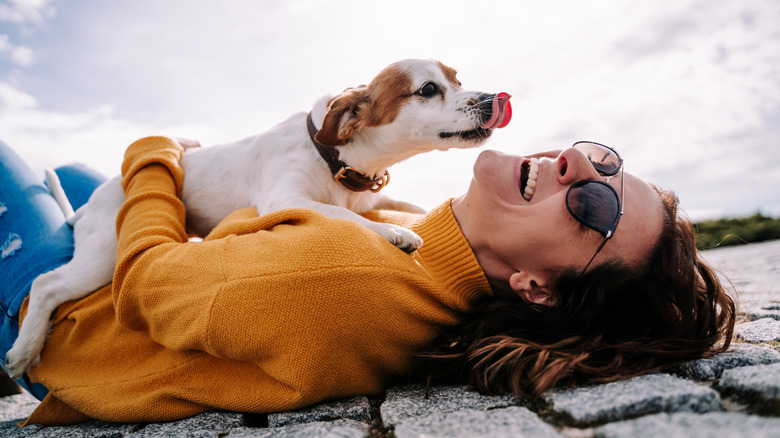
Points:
x=79, y=181
x=34, y=238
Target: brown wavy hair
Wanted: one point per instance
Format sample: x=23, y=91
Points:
x=614, y=321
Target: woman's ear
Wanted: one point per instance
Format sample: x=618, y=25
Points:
x=343, y=118
x=530, y=287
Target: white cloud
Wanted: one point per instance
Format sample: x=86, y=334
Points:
x=19, y=55
x=5, y=44
x=95, y=136
x=23, y=13
x=26, y=11
x=22, y=56
x=12, y=99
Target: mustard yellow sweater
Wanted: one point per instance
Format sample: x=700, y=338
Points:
x=265, y=314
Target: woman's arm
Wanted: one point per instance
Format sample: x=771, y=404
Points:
x=156, y=269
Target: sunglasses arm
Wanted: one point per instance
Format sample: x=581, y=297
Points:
x=603, y=242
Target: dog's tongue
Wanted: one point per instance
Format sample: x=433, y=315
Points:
x=502, y=112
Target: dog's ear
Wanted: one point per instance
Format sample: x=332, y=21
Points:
x=343, y=118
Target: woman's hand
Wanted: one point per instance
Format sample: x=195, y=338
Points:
x=186, y=143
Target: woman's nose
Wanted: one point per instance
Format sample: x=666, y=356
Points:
x=573, y=166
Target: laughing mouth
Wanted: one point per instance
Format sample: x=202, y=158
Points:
x=477, y=134
x=529, y=172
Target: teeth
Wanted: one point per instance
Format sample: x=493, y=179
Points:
x=530, y=186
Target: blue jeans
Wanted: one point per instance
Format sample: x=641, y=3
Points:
x=34, y=237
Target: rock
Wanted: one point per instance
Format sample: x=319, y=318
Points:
x=642, y=395
x=738, y=355
x=687, y=425
x=409, y=401
x=513, y=422
x=10, y=429
x=317, y=429
x=763, y=312
x=209, y=424
x=761, y=330
x=92, y=429
x=356, y=408
x=758, y=380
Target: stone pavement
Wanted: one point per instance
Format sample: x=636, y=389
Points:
x=734, y=394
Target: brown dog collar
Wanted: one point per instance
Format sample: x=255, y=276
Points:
x=346, y=175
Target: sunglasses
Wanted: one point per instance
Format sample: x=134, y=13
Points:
x=595, y=203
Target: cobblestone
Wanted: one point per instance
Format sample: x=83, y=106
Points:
x=317, y=429
x=356, y=408
x=760, y=330
x=759, y=380
x=629, y=398
x=409, y=401
x=762, y=313
x=688, y=425
x=509, y=422
x=738, y=355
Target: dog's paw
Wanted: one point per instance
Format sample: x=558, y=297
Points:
x=20, y=359
x=404, y=239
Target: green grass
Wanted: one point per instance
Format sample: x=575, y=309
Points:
x=736, y=231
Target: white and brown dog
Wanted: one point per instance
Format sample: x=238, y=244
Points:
x=332, y=160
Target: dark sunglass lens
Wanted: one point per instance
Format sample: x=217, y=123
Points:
x=595, y=204
x=604, y=159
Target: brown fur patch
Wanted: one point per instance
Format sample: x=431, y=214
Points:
x=450, y=73
x=387, y=93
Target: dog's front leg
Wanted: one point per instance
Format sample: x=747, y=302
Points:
x=402, y=238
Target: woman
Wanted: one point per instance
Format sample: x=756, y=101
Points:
x=643, y=302
x=278, y=312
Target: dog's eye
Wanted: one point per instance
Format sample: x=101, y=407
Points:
x=428, y=90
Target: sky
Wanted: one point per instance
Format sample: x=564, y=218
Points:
x=688, y=91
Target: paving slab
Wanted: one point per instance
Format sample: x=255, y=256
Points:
x=642, y=395
x=317, y=429
x=402, y=402
x=689, y=425
x=758, y=380
x=511, y=422
x=758, y=331
x=355, y=408
x=738, y=355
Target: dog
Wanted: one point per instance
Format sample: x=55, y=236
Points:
x=333, y=160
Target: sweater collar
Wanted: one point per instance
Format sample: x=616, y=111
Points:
x=448, y=256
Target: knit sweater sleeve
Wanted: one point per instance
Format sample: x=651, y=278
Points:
x=155, y=264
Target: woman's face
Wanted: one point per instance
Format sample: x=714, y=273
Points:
x=520, y=244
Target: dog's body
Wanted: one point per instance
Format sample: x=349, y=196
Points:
x=412, y=106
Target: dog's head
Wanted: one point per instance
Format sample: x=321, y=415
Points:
x=417, y=103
